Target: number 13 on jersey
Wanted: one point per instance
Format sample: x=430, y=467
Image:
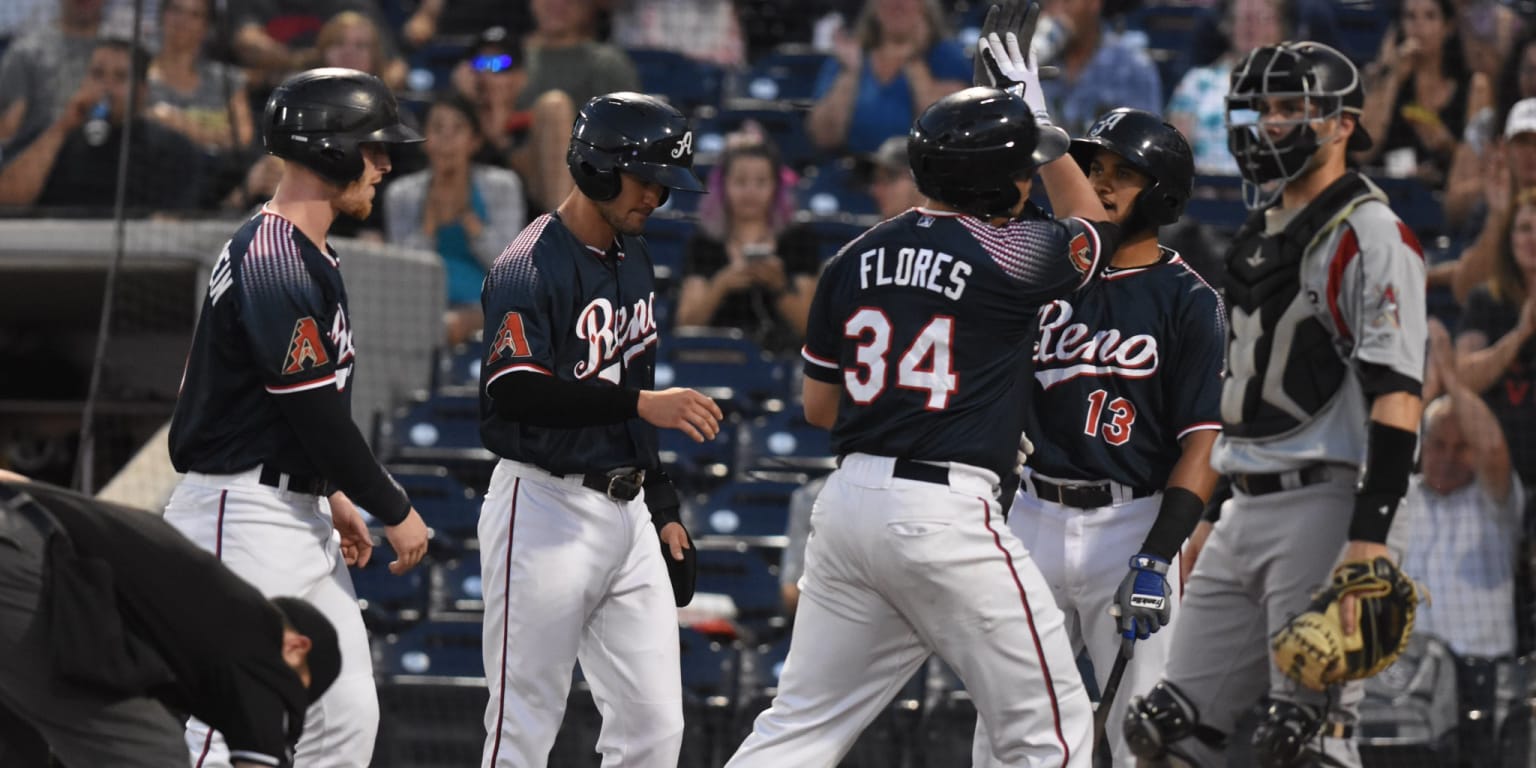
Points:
x=925, y=366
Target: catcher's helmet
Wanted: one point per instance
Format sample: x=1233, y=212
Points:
x=1325, y=82
x=319, y=117
x=968, y=148
x=630, y=133
x=1151, y=146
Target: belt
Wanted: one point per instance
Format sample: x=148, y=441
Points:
x=617, y=484
x=907, y=469
x=313, y=485
x=1092, y=496
x=1274, y=482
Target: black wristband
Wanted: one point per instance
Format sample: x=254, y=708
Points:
x=661, y=498
x=1176, y=518
x=1388, y=462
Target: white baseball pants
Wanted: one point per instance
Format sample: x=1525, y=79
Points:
x=571, y=575
x=899, y=569
x=283, y=543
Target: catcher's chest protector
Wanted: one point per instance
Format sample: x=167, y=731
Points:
x=1274, y=327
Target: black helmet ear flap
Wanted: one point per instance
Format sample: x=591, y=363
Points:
x=593, y=171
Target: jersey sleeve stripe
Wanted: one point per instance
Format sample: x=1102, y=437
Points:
x=1349, y=248
x=815, y=359
x=1098, y=251
x=1199, y=427
x=329, y=380
x=254, y=757
x=517, y=367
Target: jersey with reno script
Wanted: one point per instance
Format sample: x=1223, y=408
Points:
x=274, y=322
x=926, y=322
x=558, y=307
x=1124, y=369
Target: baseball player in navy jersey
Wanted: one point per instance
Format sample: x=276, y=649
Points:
x=917, y=359
x=1319, y=408
x=1122, y=416
x=263, y=425
x=570, y=560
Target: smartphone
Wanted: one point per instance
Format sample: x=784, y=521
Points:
x=757, y=252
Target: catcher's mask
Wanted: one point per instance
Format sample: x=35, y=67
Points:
x=1293, y=86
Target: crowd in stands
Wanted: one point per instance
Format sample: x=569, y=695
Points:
x=495, y=84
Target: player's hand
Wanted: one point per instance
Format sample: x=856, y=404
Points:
x=1012, y=67
x=1192, y=548
x=681, y=409
x=1349, y=604
x=1143, y=602
x=409, y=539
x=1026, y=449
x=356, y=541
x=676, y=539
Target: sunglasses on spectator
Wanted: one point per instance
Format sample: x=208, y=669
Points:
x=497, y=63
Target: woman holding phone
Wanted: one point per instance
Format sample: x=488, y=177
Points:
x=747, y=266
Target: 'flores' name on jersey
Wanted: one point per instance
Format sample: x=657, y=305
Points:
x=1067, y=350
x=914, y=268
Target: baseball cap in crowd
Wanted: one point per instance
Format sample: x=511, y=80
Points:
x=324, y=649
x=890, y=156
x=1522, y=119
x=496, y=50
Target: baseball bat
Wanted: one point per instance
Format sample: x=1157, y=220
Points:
x=1107, y=700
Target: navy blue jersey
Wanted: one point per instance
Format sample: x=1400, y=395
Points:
x=555, y=306
x=1124, y=369
x=925, y=322
x=274, y=322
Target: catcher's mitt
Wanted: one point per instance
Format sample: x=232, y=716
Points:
x=1312, y=648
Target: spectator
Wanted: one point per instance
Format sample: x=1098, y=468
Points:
x=43, y=67
x=201, y=99
x=1100, y=69
x=567, y=66
x=1458, y=529
x=1494, y=353
x=890, y=178
x=1489, y=29
x=353, y=40
x=1198, y=107
x=1420, y=94
x=463, y=17
x=792, y=562
x=747, y=267
x=492, y=76
x=897, y=62
x=274, y=38
x=1517, y=76
x=1506, y=166
x=465, y=211
x=73, y=162
x=706, y=30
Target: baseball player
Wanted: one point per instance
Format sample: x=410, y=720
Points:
x=1319, y=408
x=1122, y=416
x=108, y=617
x=263, y=425
x=568, y=531
x=916, y=357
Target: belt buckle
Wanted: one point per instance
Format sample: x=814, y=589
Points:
x=625, y=486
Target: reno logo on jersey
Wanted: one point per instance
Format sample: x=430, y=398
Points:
x=611, y=333
x=1067, y=350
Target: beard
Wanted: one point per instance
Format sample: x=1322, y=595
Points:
x=355, y=201
x=619, y=220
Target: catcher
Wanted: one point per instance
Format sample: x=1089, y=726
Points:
x=1319, y=412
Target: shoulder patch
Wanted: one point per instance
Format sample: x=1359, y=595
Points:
x=511, y=340
x=1081, y=251
x=304, y=347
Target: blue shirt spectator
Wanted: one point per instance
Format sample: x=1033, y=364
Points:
x=882, y=110
x=1117, y=74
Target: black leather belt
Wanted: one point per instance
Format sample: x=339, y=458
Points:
x=924, y=473
x=310, y=484
x=1274, y=482
x=617, y=484
x=1080, y=496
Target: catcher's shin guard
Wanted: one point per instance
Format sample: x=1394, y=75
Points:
x=1290, y=735
x=1156, y=721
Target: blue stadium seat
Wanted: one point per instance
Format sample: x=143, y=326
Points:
x=708, y=666
x=745, y=508
x=698, y=466
x=432, y=648
x=751, y=583
x=460, y=367
x=1218, y=203
x=835, y=188
x=446, y=505
x=444, y=427
x=834, y=232
x=666, y=239
x=783, y=440
x=388, y=601
x=784, y=124
x=787, y=74
x=1415, y=204
x=455, y=588
x=722, y=362
x=686, y=83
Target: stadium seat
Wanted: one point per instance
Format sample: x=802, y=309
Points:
x=1218, y=203
x=445, y=427
x=787, y=74
x=460, y=368
x=456, y=590
x=446, y=505
x=834, y=187
x=698, y=466
x=666, y=239
x=784, y=124
x=431, y=648
x=745, y=508
x=783, y=441
x=750, y=581
x=389, y=602
x=686, y=83
x=724, y=364
x=834, y=232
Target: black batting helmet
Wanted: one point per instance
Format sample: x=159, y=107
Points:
x=630, y=133
x=1323, y=80
x=318, y=119
x=1151, y=146
x=969, y=147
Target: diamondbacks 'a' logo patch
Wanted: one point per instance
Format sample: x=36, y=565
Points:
x=304, y=348
x=511, y=341
x=1081, y=252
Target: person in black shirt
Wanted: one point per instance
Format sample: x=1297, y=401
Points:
x=108, y=617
